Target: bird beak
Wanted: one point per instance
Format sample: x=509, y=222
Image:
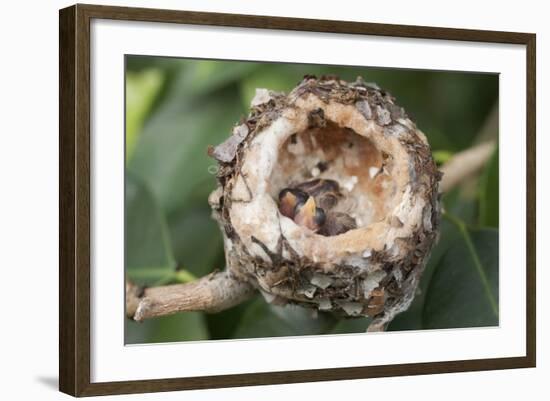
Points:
x=309, y=215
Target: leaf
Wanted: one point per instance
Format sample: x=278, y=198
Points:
x=141, y=90
x=463, y=291
x=148, y=253
x=222, y=325
x=188, y=326
x=447, y=94
x=149, y=260
x=206, y=76
x=411, y=319
x=193, y=76
x=489, y=194
x=196, y=240
x=457, y=204
x=463, y=204
x=442, y=156
x=270, y=76
x=172, y=153
x=264, y=320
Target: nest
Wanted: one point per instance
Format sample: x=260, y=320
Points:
x=384, y=185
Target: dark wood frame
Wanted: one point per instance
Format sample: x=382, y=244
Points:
x=74, y=199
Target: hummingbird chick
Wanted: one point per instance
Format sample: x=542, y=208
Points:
x=326, y=192
x=309, y=204
x=309, y=215
x=337, y=223
x=300, y=207
x=289, y=198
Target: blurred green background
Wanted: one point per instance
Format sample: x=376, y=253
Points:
x=175, y=108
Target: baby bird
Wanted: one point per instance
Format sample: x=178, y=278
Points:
x=337, y=223
x=310, y=216
x=289, y=198
x=299, y=206
x=309, y=204
x=326, y=192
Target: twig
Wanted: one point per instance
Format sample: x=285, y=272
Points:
x=463, y=164
x=212, y=293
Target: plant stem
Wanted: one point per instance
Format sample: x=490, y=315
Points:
x=463, y=164
x=212, y=293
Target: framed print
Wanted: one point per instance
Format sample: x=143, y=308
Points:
x=250, y=200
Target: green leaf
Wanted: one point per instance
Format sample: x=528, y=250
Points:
x=148, y=253
x=188, y=326
x=458, y=205
x=463, y=291
x=264, y=320
x=178, y=276
x=197, y=240
x=222, y=325
x=444, y=104
x=193, y=76
x=172, y=153
x=411, y=319
x=206, y=76
x=463, y=204
x=184, y=276
x=489, y=194
x=277, y=78
x=141, y=90
x=442, y=156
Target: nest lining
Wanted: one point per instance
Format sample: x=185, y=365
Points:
x=290, y=149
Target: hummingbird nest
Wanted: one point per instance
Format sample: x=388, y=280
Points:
x=328, y=198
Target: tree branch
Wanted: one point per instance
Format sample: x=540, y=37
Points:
x=213, y=293
x=463, y=164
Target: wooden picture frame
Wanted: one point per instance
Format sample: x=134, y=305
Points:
x=74, y=203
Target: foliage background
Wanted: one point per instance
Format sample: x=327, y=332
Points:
x=175, y=108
